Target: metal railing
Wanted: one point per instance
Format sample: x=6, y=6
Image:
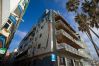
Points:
x=61, y=31
x=68, y=48
x=59, y=22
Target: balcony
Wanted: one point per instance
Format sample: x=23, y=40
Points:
x=18, y=11
x=63, y=37
x=63, y=47
x=60, y=25
x=4, y=32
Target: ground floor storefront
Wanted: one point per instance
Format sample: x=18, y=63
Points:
x=52, y=60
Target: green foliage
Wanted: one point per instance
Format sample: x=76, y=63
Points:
x=90, y=11
x=72, y=5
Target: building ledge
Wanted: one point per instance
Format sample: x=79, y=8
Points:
x=63, y=37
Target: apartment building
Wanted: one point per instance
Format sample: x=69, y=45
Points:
x=52, y=42
x=6, y=7
x=13, y=16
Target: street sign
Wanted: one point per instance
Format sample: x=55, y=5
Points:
x=53, y=57
x=2, y=50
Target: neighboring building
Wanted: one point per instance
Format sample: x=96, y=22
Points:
x=52, y=42
x=6, y=7
x=11, y=13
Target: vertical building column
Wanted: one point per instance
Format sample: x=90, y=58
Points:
x=58, y=61
x=66, y=61
x=73, y=62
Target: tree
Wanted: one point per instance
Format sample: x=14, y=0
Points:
x=88, y=18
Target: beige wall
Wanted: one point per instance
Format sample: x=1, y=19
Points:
x=13, y=4
x=5, y=10
x=45, y=47
x=7, y=6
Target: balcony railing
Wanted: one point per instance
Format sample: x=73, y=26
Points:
x=68, y=48
x=5, y=32
x=62, y=37
x=61, y=25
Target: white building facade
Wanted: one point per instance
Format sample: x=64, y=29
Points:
x=11, y=13
x=53, y=42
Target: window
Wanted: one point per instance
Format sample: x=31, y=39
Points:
x=41, y=27
x=30, y=38
x=39, y=46
x=21, y=47
x=35, y=38
x=34, y=28
x=6, y=26
x=40, y=36
x=9, y=21
x=62, y=61
x=33, y=34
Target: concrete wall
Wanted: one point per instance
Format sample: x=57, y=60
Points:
x=42, y=40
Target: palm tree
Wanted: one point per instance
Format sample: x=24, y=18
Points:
x=94, y=44
x=88, y=19
x=72, y=5
x=90, y=9
x=84, y=27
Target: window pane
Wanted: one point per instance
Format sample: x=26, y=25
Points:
x=9, y=21
x=39, y=46
x=6, y=26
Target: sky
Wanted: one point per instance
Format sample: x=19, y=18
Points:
x=35, y=11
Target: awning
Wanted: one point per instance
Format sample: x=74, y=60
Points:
x=3, y=40
x=13, y=19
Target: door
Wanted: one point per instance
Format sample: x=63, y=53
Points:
x=62, y=61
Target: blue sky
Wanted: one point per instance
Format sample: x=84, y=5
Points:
x=34, y=12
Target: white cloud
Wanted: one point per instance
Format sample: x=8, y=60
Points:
x=20, y=33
